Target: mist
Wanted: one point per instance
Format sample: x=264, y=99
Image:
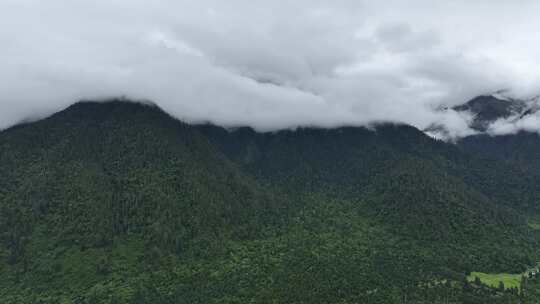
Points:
x=270, y=64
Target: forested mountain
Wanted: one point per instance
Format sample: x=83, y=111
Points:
x=118, y=202
x=419, y=187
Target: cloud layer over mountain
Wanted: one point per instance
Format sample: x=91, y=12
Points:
x=269, y=64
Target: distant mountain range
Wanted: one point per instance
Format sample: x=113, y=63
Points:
x=118, y=202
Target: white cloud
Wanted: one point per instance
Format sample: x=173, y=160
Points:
x=269, y=64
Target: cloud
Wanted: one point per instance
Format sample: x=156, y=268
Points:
x=530, y=123
x=528, y=120
x=268, y=64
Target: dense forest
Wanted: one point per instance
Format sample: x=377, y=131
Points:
x=118, y=202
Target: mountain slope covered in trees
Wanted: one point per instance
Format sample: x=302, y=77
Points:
x=118, y=202
x=520, y=150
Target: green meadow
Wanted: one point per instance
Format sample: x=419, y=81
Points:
x=509, y=280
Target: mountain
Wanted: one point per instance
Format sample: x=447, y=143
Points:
x=120, y=166
x=487, y=109
x=494, y=114
x=519, y=149
x=97, y=176
x=344, y=161
x=118, y=202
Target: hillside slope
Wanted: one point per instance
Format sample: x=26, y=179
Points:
x=420, y=188
x=521, y=149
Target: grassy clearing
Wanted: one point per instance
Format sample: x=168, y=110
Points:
x=534, y=222
x=534, y=225
x=509, y=280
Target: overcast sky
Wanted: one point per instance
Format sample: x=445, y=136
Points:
x=269, y=64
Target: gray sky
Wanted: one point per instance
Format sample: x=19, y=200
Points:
x=269, y=64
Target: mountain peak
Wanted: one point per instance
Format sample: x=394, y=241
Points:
x=489, y=108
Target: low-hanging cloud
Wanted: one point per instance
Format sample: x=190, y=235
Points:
x=269, y=64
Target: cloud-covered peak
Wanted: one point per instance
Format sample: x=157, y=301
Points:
x=494, y=114
x=489, y=108
x=270, y=64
